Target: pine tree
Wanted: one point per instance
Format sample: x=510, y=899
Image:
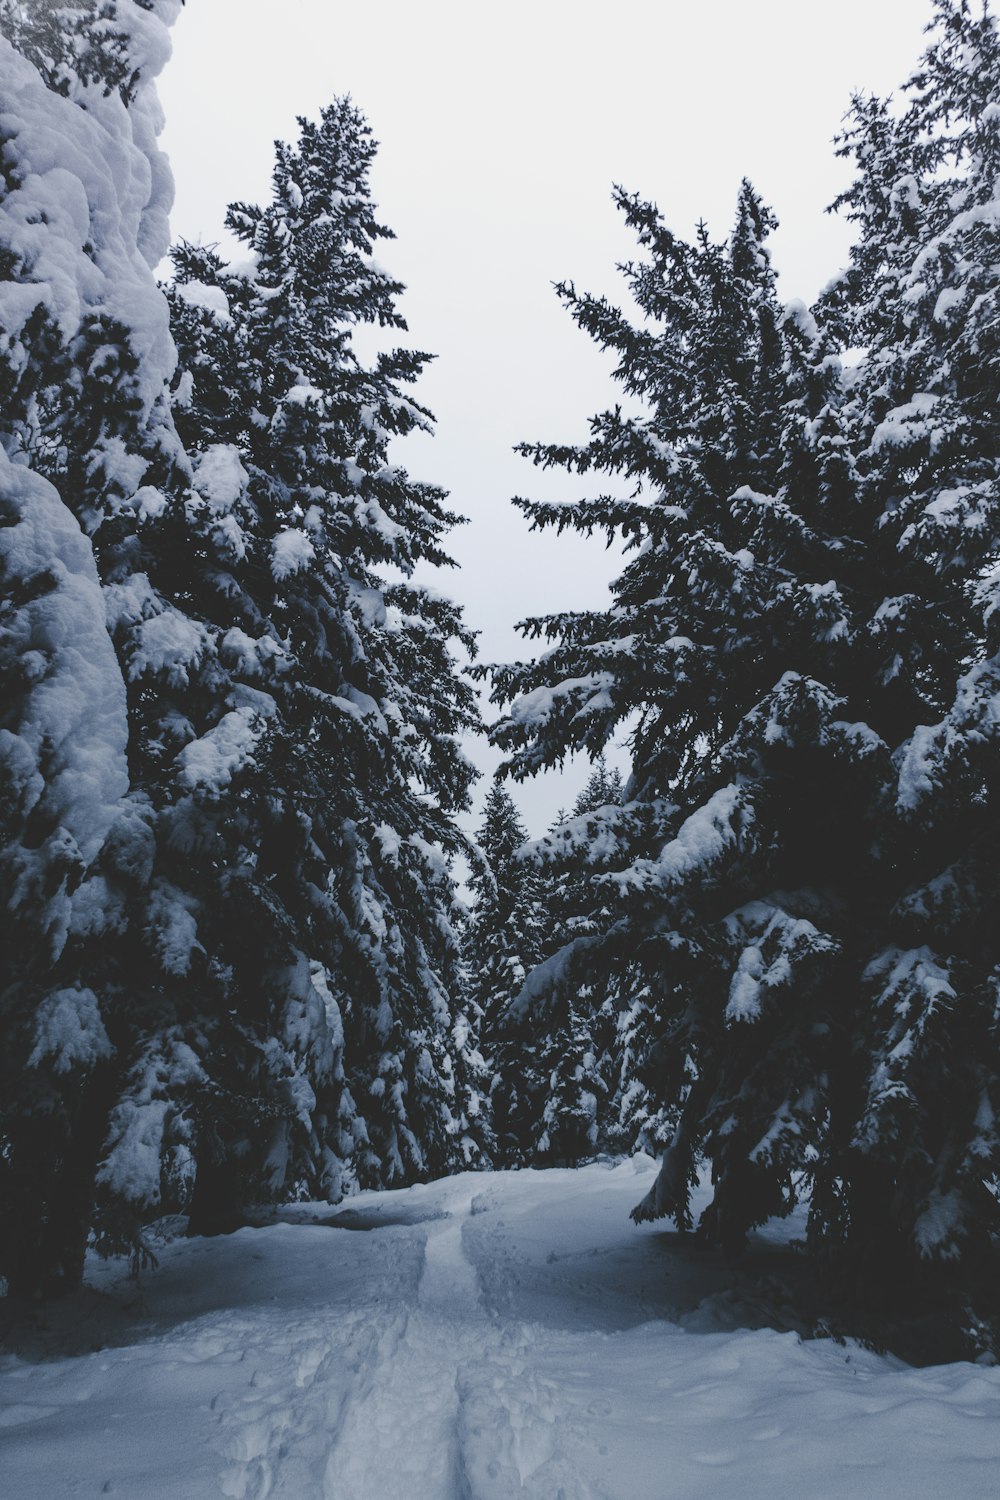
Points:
x=603, y=788
x=580, y=1027
x=554, y=1063
x=197, y=936
x=921, y=1137
x=712, y=378
x=84, y=367
x=796, y=874
x=337, y=772
x=506, y=938
x=630, y=1117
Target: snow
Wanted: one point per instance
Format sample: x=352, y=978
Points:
x=69, y=1030
x=591, y=836
x=209, y=298
x=291, y=551
x=487, y=1336
x=303, y=391
x=64, y=737
x=389, y=841
x=168, y=644
x=534, y=709
x=907, y=423
x=149, y=503
x=88, y=213
x=797, y=313
x=220, y=477
x=950, y=298
x=372, y=516
x=702, y=840
x=776, y=943
x=251, y=656
x=962, y=505
x=212, y=761
x=132, y=1167
x=172, y=927
x=83, y=219
x=916, y=766
x=75, y=709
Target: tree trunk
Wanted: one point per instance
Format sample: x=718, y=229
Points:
x=215, y=1201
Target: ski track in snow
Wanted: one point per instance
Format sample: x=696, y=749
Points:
x=439, y=1402
x=504, y=1337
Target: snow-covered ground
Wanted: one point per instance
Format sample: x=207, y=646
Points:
x=489, y=1336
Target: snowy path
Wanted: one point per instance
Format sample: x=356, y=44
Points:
x=480, y=1338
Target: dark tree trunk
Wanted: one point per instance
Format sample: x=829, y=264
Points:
x=215, y=1201
x=48, y=1192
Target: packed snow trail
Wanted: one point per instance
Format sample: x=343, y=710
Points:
x=486, y=1337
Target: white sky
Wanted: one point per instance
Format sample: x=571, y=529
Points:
x=502, y=128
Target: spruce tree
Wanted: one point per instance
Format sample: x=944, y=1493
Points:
x=196, y=930
x=554, y=1065
x=580, y=1026
x=919, y=1134
x=709, y=364
x=337, y=774
x=505, y=939
x=797, y=874
x=617, y=1001
x=84, y=368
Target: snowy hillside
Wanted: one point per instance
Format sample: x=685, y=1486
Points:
x=489, y=1337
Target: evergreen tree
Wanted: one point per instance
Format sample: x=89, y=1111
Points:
x=629, y=1114
x=798, y=871
x=580, y=1026
x=74, y=47
x=712, y=376
x=195, y=931
x=336, y=1051
x=84, y=367
x=603, y=788
x=553, y=1064
x=919, y=1133
x=506, y=938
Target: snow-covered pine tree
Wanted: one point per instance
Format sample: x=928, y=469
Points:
x=338, y=925
x=917, y=1161
x=576, y=1038
x=615, y=1002
x=505, y=939
x=552, y=1070
x=683, y=650
x=85, y=361
x=603, y=788
x=806, y=635
x=730, y=641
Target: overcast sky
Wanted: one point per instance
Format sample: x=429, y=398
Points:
x=502, y=129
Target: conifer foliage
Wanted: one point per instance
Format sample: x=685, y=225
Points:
x=556, y=1067
x=334, y=915
x=229, y=739
x=505, y=940
x=804, y=641
x=580, y=1026
x=86, y=436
